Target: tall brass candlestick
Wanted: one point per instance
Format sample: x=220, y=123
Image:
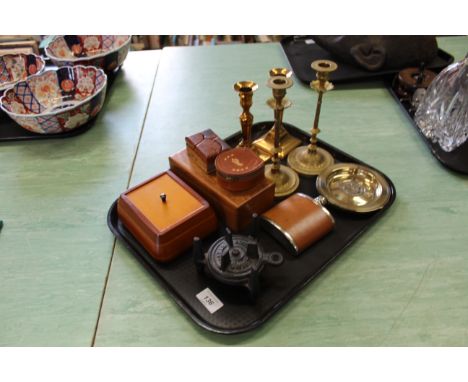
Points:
x=286, y=180
x=279, y=92
x=265, y=145
x=312, y=160
x=246, y=90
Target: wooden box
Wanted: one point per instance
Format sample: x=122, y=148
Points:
x=239, y=169
x=164, y=214
x=236, y=208
x=204, y=147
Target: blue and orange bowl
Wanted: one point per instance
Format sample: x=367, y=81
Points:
x=107, y=52
x=58, y=100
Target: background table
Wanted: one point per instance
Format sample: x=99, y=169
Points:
x=403, y=283
x=55, y=247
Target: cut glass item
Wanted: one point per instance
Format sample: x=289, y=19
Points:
x=442, y=115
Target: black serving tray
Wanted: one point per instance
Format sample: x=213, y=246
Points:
x=11, y=131
x=302, y=50
x=456, y=160
x=278, y=285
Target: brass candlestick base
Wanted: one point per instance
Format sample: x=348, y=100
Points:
x=265, y=145
x=312, y=160
x=307, y=163
x=286, y=180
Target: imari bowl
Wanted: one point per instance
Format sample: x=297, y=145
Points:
x=18, y=67
x=58, y=100
x=105, y=52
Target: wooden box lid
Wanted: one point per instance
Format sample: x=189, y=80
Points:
x=239, y=162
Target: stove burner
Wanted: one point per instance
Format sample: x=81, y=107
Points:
x=235, y=259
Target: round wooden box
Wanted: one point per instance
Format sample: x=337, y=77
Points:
x=239, y=169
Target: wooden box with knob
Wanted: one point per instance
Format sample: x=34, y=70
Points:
x=164, y=214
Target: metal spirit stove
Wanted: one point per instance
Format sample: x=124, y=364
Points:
x=235, y=260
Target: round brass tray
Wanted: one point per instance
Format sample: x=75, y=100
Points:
x=354, y=187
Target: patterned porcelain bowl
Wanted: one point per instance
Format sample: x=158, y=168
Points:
x=57, y=100
x=105, y=52
x=18, y=67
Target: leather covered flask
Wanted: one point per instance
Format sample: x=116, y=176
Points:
x=204, y=147
x=297, y=222
x=239, y=169
x=164, y=214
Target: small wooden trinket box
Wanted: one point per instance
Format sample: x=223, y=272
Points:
x=236, y=208
x=239, y=169
x=164, y=214
x=204, y=147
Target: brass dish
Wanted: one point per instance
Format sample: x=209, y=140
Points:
x=354, y=187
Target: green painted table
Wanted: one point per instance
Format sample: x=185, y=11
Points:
x=405, y=282
x=55, y=247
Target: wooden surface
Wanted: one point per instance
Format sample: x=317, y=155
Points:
x=404, y=282
x=55, y=246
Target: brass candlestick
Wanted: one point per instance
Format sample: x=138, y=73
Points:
x=286, y=180
x=311, y=160
x=246, y=90
x=265, y=145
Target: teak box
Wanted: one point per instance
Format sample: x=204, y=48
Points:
x=165, y=224
x=236, y=208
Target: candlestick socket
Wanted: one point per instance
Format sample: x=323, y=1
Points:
x=279, y=83
x=324, y=66
x=245, y=86
x=280, y=72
